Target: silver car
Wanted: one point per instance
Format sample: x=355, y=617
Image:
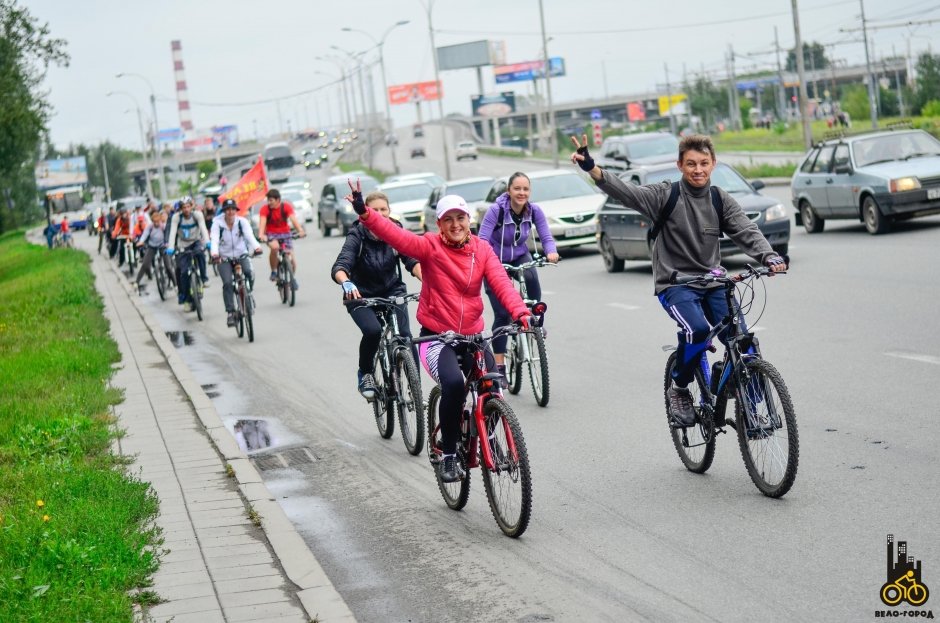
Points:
x=568, y=200
x=472, y=189
x=876, y=178
x=406, y=201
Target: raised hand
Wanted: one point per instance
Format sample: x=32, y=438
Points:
x=355, y=196
x=581, y=157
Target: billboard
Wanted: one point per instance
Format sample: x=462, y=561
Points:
x=529, y=70
x=635, y=111
x=675, y=104
x=61, y=172
x=498, y=105
x=414, y=92
x=463, y=55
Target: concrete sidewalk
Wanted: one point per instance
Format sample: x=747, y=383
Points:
x=220, y=566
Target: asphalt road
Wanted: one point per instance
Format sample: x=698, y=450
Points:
x=620, y=530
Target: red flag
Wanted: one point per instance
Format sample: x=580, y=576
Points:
x=250, y=189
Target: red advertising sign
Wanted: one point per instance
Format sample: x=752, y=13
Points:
x=250, y=189
x=414, y=92
x=635, y=111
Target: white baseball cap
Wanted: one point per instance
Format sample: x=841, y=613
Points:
x=451, y=202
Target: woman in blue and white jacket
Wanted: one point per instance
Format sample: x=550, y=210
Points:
x=506, y=226
x=231, y=238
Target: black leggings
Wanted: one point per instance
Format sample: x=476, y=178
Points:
x=368, y=322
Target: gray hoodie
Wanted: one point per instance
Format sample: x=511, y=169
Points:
x=688, y=241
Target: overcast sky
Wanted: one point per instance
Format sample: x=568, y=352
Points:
x=242, y=51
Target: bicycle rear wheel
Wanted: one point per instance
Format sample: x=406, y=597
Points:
x=455, y=494
x=538, y=365
x=382, y=407
x=509, y=484
x=410, y=402
x=695, y=444
x=514, y=364
x=766, y=424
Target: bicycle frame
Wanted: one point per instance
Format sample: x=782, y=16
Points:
x=517, y=274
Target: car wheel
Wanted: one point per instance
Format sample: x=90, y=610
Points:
x=343, y=226
x=812, y=223
x=875, y=222
x=324, y=228
x=612, y=263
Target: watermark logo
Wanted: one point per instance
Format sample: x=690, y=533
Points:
x=904, y=577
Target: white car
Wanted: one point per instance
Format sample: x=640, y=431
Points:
x=406, y=201
x=569, y=202
x=431, y=178
x=466, y=149
x=472, y=189
x=302, y=201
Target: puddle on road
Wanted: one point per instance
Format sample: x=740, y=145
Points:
x=211, y=391
x=180, y=338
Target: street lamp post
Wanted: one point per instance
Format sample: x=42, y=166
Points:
x=388, y=113
x=143, y=143
x=440, y=99
x=548, y=87
x=342, y=73
x=156, y=130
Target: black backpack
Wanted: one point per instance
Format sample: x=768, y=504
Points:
x=717, y=203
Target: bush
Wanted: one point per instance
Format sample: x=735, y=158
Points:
x=931, y=109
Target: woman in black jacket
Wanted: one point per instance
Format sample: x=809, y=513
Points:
x=367, y=267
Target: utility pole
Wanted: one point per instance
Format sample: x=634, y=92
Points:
x=107, y=184
x=548, y=87
x=801, y=73
x=872, y=101
x=672, y=118
x=440, y=92
x=781, y=90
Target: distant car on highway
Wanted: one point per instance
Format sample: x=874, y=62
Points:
x=466, y=149
x=278, y=161
x=621, y=230
x=417, y=152
x=876, y=178
x=633, y=150
x=569, y=202
x=431, y=178
x=406, y=201
x=418, y=131
x=333, y=211
x=472, y=189
x=301, y=199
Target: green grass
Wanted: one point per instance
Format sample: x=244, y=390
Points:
x=502, y=153
x=766, y=170
x=76, y=532
x=358, y=166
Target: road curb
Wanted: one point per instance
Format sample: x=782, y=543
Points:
x=317, y=595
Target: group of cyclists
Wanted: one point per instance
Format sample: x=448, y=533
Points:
x=184, y=229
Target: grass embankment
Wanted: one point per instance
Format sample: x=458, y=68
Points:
x=75, y=529
x=753, y=172
x=345, y=167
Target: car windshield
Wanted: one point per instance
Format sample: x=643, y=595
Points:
x=560, y=187
x=471, y=191
x=407, y=193
x=278, y=158
x=665, y=144
x=888, y=148
x=292, y=195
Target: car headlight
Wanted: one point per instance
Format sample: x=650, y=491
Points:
x=904, y=183
x=775, y=213
x=348, y=208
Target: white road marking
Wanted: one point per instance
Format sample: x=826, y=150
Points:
x=900, y=354
x=346, y=443
x=624, y=306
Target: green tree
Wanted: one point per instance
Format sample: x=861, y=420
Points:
x=814, y=57
x=26, y=51
x=928, y=80
x=204, y=169
x=707, y=100
x=855, y=101
x=931, y=109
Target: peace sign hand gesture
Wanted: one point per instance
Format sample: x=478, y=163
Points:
x=355, y=196
x=581, y=157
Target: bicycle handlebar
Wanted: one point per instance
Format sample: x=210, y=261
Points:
x=451, y=337
x=377, y=301
x=720, y=275
x=538, y=262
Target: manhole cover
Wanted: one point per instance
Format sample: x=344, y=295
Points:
x=290, y=457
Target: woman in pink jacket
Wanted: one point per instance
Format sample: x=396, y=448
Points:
x=453, y=266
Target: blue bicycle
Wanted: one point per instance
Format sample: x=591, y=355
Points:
x=765, y=420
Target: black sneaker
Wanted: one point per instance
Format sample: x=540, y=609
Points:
x=367, y=386
x=450, y=469
x=680, y=406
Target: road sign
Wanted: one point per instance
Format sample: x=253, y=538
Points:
x=595, y=114
x=598, y=135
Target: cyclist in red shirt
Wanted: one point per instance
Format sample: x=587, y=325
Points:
x=274, y=221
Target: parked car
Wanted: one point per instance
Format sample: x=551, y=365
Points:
x=876, y=178
x=431, y=178
x=417, y=152
x=333, y=211
x=634, y=150
x=406, y=201
x=466, y=149
x=472, y=189
x=621, y=230
x=569, y=201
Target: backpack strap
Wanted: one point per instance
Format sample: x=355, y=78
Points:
x=717, y=204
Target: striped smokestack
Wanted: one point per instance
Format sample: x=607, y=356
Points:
x=182, y=93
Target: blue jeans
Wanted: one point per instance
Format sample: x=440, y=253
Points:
x=696, y=311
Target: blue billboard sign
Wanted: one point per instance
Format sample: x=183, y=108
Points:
x=530, y=70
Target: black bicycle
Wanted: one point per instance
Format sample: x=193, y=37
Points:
x=397, y=381
x=159, y=272
x=244, y=299
x=527, y=348
x=285, y=273
x=190, y=264
x=765, y=419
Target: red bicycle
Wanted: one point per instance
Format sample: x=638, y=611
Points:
x=500, y=453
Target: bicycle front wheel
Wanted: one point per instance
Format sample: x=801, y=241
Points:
x=282, y=285
x=240, y=312
x=161, y=276
x=538, y=365
x=694, y=444
x=410, y=402
x=382, y=407
x=249, y=315
x=289, y=286
x=509, y=483
x=514, y=364
x=455, y=494
x=766, y=424
x=195, y=291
